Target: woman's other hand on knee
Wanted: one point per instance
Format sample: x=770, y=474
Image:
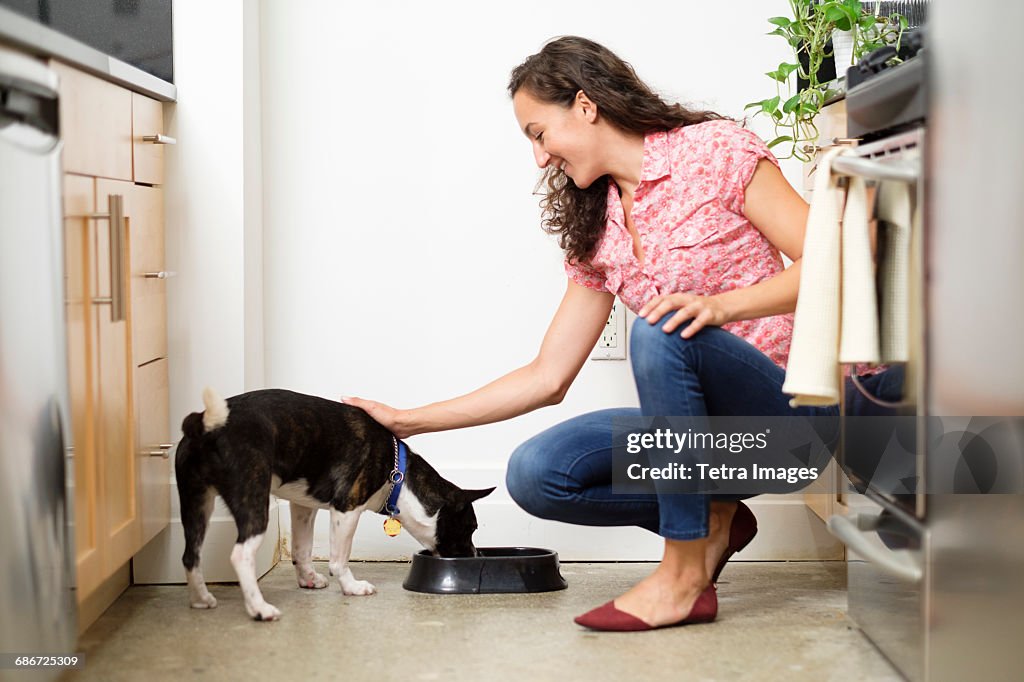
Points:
x=702, y=311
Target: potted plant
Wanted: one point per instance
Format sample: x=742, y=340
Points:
x=809, y=33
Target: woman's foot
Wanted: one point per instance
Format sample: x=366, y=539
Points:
x=610, y=618
x=678, y=591
x=731, y=527
x=719, y=525
x=661, y=598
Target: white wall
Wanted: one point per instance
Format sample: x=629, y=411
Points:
x=206, y=214
x=404, y=257
x=213, y=200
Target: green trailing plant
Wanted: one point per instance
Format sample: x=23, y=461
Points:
x=809, y=32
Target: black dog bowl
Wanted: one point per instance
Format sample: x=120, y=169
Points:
x=495, y=570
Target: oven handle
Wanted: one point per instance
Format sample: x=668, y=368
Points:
x=900, y=171
x=850, y=530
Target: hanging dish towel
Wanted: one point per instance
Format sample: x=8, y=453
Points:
x=858, y=326
x=812, y=374
x=896, y=218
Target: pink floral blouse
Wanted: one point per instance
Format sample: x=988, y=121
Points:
x=688, y=211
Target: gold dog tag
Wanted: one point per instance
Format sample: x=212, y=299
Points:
x=392, y=526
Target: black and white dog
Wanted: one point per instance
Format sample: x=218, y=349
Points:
x=317, y=454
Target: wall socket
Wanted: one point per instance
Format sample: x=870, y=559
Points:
x=612, y=344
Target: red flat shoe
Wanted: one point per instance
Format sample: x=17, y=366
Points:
x=610, y=619
x=741, y=532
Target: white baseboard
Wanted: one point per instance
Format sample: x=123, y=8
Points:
x=788, y=531
x=159, y=562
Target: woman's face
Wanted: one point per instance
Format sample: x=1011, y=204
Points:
x=563, y=137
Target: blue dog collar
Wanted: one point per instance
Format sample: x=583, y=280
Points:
x=397, y=478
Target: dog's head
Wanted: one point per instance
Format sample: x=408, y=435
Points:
x=456, y=523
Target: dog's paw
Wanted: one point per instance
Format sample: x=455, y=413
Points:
x=358, y=588
x=264, y=612
x=207, y=601
x=313, y=581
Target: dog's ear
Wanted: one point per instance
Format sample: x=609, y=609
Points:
x=470, y=496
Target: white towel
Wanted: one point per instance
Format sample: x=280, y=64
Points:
x=894, y=209
x=858, y=326
x=812, y=374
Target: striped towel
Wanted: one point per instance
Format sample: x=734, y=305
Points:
x=858, y=326
x=895, y=216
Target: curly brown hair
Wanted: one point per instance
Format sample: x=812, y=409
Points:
x=562, y=68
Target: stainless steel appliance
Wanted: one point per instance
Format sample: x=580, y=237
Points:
x=935, y=577
x=37, y=608
x=885, y=530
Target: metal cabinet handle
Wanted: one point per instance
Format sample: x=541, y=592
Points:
x=159, y=139
x=836, y=142
x=117, y=278
x=850, y=531
x=163, y=451
x=159, y=275
x=118, y=282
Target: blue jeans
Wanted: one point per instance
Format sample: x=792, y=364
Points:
x=565, y=472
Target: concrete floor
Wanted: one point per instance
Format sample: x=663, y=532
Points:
x=777, y=621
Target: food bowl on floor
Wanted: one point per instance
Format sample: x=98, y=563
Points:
x=495, y=570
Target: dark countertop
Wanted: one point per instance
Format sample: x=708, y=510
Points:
x=28, y=36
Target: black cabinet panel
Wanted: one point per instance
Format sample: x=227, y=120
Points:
x=138, y=32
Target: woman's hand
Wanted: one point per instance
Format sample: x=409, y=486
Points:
x=703, y=310
x=386, y=416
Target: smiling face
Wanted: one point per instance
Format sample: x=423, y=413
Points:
x=565, y=138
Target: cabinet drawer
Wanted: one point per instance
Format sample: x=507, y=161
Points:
x=831, y=123
x=153, y=431
x=146, y=229
x=96, y=124
x=149, y=320
x=149, y=294
x=147, y=157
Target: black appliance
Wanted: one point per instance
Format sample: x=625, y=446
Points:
x=137, y=32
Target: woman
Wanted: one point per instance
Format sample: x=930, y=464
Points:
x=681, y=214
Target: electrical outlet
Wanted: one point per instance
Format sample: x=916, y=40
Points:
x=612, y=344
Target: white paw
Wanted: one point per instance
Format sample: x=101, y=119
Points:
x=358, y=587
x=313, y=581
x=264, y=612
x=208, y=601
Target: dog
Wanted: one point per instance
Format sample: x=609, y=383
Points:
x=317, y=454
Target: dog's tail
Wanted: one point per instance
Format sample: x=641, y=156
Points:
x=216, y=414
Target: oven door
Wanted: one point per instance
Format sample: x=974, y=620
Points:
x=885, y=575
x=878, y=457
x=881, y=423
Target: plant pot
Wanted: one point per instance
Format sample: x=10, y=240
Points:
x=826, y=72
x=842, y=45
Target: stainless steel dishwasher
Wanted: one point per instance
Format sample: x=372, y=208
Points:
x=37, y=605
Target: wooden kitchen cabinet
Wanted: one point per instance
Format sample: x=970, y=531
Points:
x=147, y=156
x=107, y=528
x=79, y=258
x=831, y=122
x=117, y=364
x=96, y=124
